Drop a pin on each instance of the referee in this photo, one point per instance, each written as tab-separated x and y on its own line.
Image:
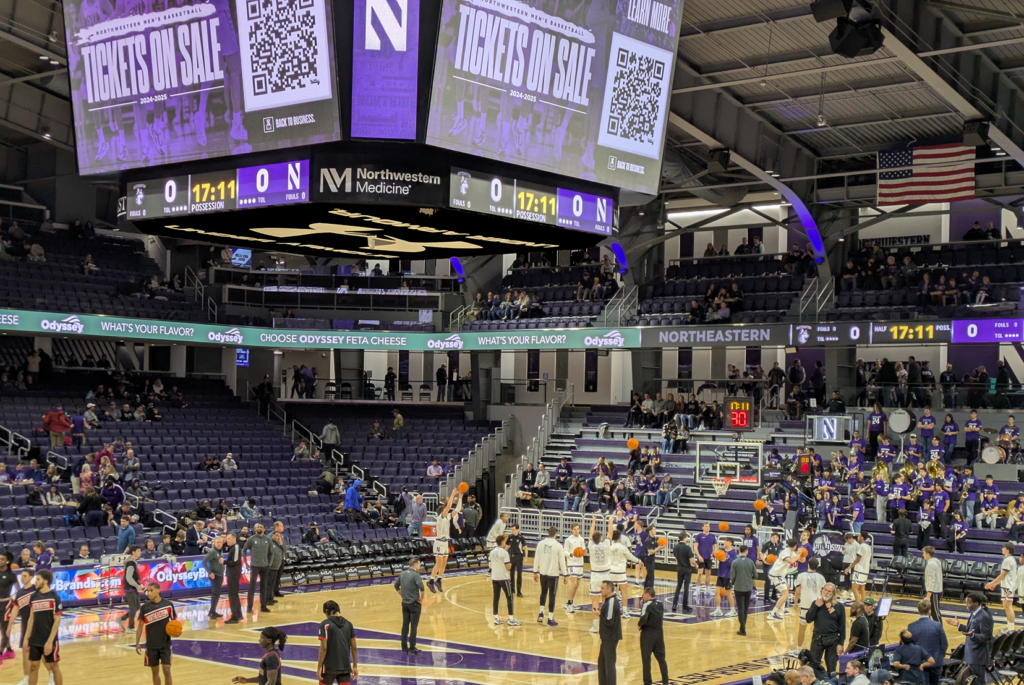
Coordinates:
132	585
215	569
233	571
548	565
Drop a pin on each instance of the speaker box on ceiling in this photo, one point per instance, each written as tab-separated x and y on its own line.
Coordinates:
718	163
975	133
824	10
855	40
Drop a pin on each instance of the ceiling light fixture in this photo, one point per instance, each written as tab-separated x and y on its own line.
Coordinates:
43	57
821	101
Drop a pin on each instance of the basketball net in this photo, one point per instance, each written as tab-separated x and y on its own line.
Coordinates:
721	485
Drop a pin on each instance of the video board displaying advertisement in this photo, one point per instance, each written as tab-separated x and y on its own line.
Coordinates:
385	68
155	83
579	89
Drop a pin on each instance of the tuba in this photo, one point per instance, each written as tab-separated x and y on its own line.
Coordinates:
880	470
935	470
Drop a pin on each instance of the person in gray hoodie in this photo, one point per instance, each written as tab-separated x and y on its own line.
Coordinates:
258	547
330	436
276	562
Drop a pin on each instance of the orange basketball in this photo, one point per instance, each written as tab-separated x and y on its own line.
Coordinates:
463	487
720	554
632	443
451	549
760	504
771	558
802	554
173	628
662	542
723	527
578	552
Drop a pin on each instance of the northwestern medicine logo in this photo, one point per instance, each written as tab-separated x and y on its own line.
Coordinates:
232	335
452	342
611	339
374	181
70	324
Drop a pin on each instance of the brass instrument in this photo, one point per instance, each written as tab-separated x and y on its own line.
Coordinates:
935	470
965	490
880	470
909	477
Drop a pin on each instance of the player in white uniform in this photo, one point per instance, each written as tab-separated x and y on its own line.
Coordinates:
619	556
808	591
860	568
445	516
548	565
784	563
574	564
599	566
1006	581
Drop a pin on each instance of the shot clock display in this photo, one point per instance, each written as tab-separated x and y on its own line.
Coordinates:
528	201
739	414
219	191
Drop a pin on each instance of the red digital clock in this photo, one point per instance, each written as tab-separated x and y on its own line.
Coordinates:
739	414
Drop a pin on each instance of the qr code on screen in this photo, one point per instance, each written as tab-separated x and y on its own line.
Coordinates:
284	51
635	97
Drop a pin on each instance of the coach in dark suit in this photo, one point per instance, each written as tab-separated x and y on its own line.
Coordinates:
652	638
931	637
611	634
233	571
978	630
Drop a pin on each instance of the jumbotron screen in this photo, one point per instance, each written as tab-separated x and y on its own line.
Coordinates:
575	88
155	82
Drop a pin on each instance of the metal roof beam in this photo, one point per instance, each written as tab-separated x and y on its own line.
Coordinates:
873	122
776	60
7	35
983	11
865	87
777	17
790	74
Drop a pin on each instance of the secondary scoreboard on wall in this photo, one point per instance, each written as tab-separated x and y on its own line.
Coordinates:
739	414
528	201
265	185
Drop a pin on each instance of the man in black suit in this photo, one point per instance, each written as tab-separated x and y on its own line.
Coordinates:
978	630
652	638
611	634
233	571
194	540
930	636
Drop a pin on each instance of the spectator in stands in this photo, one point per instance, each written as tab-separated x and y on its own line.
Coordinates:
111	492
647	407
890	273
522	310
165	547
330	437
89	417
36	253
57	423
434	470
149	550
397	423
635	415
797	375
975	232
83	557
86	477
450	467
35	497
848	277
131	467
723	251
195	539
988	511
178	543
249	510
417	515
376	432
90	509
54	497
993	232
228	464
576	497
441	377
542	482
584	290
563	474
217	524
125	535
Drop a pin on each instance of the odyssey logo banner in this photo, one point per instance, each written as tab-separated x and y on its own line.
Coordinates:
70	324
612	339
452	342
385	65
231	336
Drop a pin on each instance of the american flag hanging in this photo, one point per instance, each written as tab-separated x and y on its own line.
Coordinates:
940	173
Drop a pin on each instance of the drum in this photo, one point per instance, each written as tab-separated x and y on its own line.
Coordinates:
993	454
1005	442
902	421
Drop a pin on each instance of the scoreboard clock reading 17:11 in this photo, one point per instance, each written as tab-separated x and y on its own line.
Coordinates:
739	414
220	191
528	201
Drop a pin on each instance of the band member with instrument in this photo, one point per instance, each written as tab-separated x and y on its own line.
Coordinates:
972	437
968	493
913	452
825	484
899	495
886	450
1009	439
882	490
935	450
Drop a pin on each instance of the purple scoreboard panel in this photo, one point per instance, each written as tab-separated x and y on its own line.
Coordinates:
584	212
385	52
987	331
164	82
273	184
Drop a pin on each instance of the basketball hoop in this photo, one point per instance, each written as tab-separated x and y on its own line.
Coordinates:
721	485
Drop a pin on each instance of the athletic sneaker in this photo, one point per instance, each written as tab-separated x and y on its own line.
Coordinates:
430	584
772	616
540	617
552	622
514	622
794	652
570	608
438	583
498	621
731	613
593	629
716	613
23	681
625	612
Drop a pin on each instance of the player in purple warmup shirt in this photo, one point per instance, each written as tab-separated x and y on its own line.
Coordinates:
705	542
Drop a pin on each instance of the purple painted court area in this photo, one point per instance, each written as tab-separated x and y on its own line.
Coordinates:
460	656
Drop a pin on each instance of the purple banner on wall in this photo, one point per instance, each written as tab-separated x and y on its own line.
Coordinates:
385	64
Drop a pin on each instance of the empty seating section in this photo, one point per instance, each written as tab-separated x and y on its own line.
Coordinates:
59	285
215	422
430	433
766	298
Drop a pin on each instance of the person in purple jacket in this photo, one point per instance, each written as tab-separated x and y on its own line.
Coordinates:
650	486
878	423
927	425
950	430
705	542
972	438
563	475
856	514
751	541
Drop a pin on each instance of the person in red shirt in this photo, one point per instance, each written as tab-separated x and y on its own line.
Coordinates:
57	423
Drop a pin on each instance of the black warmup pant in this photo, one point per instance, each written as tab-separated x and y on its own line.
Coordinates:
410	622
873	442
900	547
500	586
742	609
131	596
831	655
936	609
933	675
924	537
770	593
649	562
261	572
516	574
5	642
606	662
942	522
215	583
234	582
272	575
548	588
682	581
653	642
275	591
